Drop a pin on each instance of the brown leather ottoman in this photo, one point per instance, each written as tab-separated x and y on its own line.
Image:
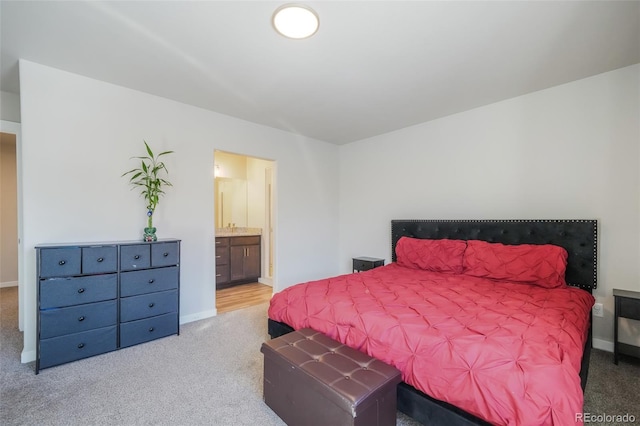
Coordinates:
310	379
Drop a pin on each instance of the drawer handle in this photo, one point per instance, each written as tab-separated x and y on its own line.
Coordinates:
80	345
218	242
136	257
81	290
218	275
151	281
81	319
165	254
62	262
100	259
218	257
151	305
150	329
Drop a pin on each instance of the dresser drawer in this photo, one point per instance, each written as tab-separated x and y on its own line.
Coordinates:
222	256
165	254
57	322
60	292
147	281
148	305
59	350
99	260
134	332
136	256
629	308
59	262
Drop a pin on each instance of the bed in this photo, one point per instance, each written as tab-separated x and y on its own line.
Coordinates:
488	320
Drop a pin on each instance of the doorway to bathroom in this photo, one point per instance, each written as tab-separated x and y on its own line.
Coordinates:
244	226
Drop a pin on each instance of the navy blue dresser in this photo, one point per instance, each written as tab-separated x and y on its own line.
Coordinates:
99	297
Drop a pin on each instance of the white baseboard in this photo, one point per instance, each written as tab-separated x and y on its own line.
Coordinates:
603	345
9	284
199	316
266	281
27	356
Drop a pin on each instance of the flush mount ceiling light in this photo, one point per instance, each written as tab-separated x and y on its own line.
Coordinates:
295	21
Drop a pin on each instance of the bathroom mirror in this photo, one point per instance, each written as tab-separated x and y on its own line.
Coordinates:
231	202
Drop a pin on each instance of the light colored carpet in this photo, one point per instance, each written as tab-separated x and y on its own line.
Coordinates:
209	375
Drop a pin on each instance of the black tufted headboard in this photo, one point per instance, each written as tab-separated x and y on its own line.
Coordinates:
579	237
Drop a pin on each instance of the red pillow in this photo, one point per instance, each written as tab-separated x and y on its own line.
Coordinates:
431	255
543	265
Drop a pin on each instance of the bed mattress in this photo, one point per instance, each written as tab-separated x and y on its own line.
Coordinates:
506	352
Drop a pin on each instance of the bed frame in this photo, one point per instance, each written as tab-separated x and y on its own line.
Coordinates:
579	237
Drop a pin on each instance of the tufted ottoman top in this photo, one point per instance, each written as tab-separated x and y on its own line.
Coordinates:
342	374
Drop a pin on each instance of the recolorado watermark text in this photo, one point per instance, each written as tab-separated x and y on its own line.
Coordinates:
605	418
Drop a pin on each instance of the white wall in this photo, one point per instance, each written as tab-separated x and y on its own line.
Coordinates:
567	152
9	107
78	135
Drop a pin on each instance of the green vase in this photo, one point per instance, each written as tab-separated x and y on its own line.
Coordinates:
150	234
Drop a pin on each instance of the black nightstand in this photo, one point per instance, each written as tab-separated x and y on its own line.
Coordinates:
365	263
627	305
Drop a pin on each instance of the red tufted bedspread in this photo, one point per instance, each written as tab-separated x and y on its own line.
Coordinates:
506	352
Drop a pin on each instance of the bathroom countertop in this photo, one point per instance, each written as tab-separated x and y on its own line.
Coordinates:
238	232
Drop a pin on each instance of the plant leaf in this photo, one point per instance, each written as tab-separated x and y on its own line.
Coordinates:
148	149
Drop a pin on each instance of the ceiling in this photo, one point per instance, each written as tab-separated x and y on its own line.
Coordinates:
372	68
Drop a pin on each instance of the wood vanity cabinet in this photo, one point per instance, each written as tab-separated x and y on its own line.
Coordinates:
238	260
222	262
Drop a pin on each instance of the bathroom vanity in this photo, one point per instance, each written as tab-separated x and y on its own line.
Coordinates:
238	258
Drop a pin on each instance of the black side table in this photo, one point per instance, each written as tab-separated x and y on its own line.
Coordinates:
365	263
627	305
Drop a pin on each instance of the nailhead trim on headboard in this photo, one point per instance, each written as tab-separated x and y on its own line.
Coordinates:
578	236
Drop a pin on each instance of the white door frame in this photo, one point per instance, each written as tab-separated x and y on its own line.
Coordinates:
269	223
16	129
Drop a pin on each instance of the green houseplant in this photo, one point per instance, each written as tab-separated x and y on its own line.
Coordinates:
148	179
